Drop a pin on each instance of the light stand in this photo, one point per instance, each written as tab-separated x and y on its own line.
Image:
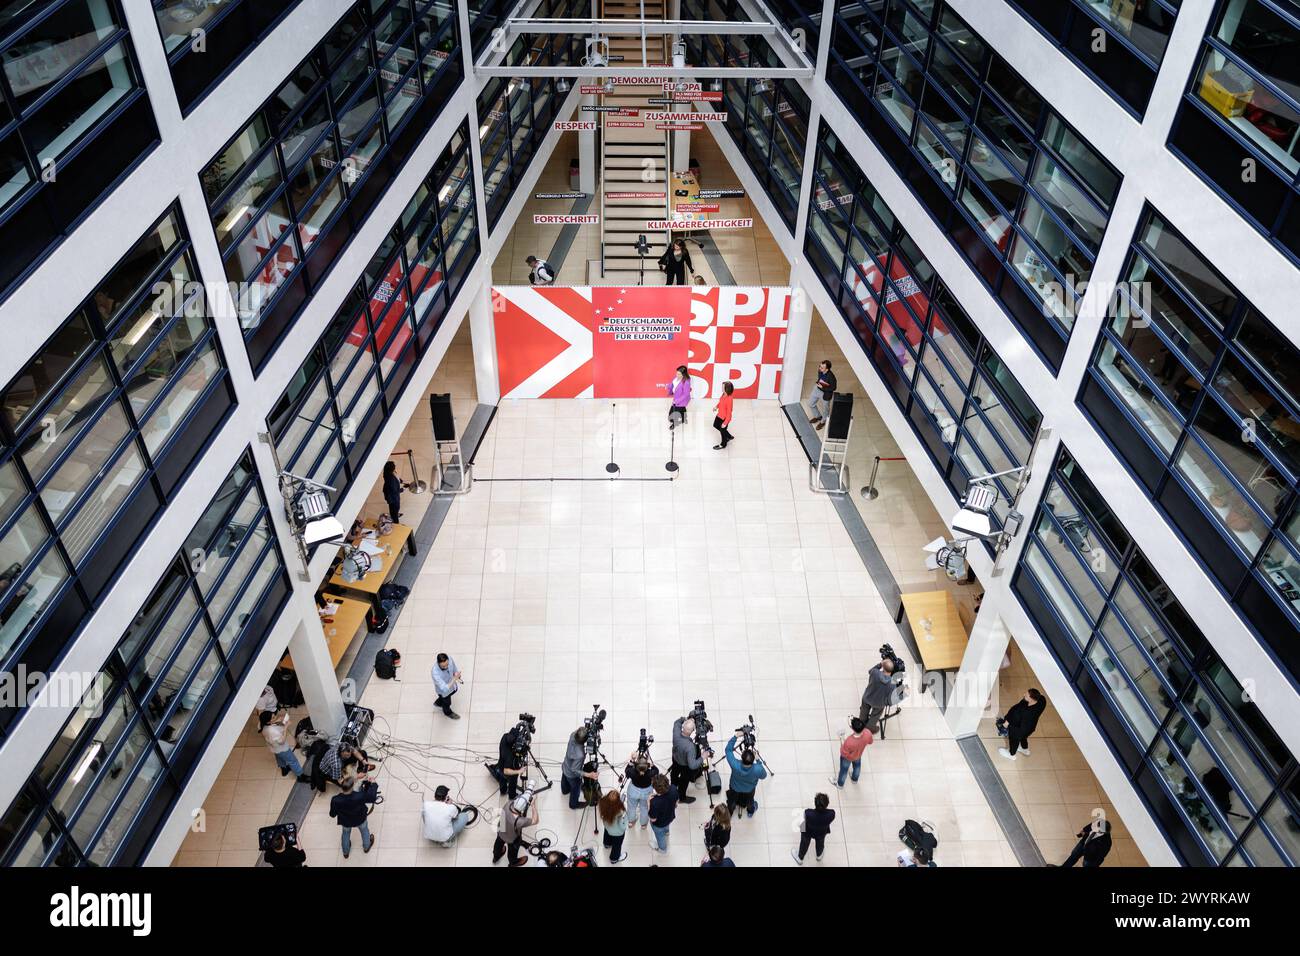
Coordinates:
672	466
612	468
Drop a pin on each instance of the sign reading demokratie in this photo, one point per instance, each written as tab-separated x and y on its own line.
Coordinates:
573	220
732	193
656	116
654	225
582	126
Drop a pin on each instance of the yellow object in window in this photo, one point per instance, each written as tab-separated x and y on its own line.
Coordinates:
1227	90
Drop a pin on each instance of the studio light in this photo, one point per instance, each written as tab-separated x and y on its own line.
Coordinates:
973	519
561	85
310	512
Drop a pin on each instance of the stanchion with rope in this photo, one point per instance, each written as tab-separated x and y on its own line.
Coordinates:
869	491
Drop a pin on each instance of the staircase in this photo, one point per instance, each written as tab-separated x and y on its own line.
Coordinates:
633	159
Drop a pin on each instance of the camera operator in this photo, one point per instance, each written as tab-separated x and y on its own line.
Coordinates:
640	773
512	754
879	694
283	855
350	809
572	772
688	759
746	772
517	815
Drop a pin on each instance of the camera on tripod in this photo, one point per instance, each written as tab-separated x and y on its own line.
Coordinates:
643	744
521	739
887	654
703	727
594	724
745	734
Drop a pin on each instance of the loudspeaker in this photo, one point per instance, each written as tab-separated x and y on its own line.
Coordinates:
837	429
444	425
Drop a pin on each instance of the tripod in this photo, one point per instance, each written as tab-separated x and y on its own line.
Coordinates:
593	787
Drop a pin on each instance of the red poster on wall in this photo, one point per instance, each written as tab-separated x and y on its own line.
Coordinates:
625	342
641	336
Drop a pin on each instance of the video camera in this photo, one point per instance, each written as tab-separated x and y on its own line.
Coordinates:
703	727
745	733
643	745
594	724
887	654
521	738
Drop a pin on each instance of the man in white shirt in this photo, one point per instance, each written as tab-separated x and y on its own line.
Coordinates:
446	679
541	272
443	820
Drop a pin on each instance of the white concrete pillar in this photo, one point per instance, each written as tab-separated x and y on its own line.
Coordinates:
977	680
315	673
588	161
795	355
482	331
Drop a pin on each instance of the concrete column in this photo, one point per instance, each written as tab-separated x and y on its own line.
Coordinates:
978	678
482	332
315	672
795	355
588	161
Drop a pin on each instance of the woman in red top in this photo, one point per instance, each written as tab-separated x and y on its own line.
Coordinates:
723	418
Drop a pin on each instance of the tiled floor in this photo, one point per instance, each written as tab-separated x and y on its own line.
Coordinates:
733	584
1053	787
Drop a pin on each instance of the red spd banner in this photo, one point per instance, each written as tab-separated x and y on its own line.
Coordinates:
616	342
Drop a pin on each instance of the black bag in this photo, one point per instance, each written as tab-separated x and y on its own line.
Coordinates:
285	684
396	593
386	663
377	621
918	837
713	780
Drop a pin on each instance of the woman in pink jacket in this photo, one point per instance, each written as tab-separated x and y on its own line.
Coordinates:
680	389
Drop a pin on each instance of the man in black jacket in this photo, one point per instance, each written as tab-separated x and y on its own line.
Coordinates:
822	393
350	809
509	766
1093	845
1021	721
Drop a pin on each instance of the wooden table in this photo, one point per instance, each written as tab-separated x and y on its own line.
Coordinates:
688	183
944	644
349	620
367	589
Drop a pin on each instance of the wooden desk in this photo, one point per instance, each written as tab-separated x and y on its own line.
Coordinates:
943	646
349	620
367	589
687	182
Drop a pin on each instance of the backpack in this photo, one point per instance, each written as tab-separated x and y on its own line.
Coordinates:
386	662
918	837
304	735
377	621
